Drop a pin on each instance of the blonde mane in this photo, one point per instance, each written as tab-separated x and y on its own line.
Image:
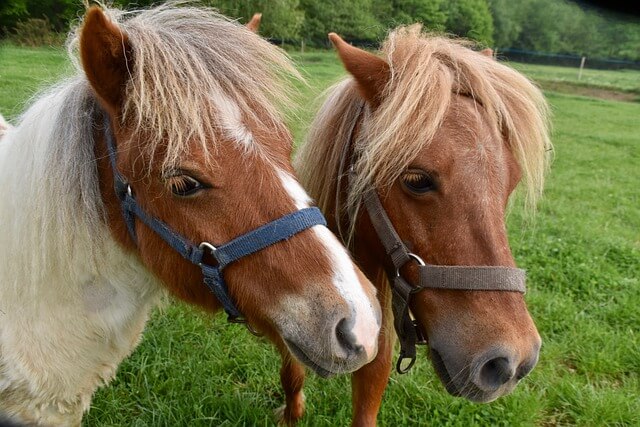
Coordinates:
427	71
189	64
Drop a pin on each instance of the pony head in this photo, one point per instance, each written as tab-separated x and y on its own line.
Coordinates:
444	135
192	100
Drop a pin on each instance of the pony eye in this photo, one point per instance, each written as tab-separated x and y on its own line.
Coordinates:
185	185
418	182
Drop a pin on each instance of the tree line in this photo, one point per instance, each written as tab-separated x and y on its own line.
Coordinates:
554	26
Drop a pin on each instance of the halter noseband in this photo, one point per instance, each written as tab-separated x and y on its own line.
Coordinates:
468	278
260	238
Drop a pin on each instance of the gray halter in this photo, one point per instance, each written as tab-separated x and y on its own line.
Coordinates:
466	278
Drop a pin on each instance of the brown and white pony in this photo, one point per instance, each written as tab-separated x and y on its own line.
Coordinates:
444	135
192	100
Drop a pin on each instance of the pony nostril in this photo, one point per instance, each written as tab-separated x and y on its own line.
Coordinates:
347	339
495	373
527	366
524	369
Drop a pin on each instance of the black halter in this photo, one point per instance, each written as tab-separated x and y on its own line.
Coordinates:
240	247
469	278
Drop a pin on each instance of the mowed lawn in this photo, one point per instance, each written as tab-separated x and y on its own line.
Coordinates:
581	251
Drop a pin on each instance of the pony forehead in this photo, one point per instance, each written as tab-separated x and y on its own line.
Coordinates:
427	71
195	72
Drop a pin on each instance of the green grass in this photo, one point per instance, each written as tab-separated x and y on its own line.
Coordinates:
582	254
621	80
24	71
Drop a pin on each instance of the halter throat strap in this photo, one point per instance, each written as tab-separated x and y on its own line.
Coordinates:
253	241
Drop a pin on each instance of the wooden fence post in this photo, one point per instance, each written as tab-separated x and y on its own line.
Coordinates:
582	61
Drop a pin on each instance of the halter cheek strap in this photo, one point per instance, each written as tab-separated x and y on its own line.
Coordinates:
457	277
254	241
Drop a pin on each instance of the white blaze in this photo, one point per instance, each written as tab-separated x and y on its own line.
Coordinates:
233	124
345	279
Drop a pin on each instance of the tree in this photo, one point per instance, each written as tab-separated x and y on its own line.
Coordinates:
59	13
281	19
11	12
352	19
392	13
470	18
507	19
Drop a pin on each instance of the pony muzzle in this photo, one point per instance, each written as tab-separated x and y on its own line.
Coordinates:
488	376
331	338
343	351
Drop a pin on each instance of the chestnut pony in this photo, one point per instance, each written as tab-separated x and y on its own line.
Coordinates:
168	135
440	135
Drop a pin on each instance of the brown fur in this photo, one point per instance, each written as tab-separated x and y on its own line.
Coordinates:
189	96
371	73
105	53
254	24
477	131
487	52
182	278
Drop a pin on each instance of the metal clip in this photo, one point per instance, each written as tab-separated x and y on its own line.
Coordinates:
401	358
243	321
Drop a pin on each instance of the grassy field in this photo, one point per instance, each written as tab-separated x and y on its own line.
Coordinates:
582	254
619	80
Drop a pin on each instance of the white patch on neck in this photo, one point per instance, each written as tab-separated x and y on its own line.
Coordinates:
345	279
98	294
232	123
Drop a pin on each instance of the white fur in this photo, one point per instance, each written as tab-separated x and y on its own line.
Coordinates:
300	197
72	303
232	122
4	126
345	279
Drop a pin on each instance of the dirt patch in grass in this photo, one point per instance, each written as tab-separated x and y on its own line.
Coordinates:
590	91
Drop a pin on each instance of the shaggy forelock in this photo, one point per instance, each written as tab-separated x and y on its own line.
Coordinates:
186	61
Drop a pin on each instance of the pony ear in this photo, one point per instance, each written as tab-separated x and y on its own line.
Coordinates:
254	24
106	55
487	52
370	72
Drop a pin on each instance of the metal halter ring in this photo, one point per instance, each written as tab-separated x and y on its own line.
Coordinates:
414	257
208	246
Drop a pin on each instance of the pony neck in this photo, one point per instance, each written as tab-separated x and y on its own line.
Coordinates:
72	302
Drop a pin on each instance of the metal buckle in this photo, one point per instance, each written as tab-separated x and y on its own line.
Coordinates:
207	246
